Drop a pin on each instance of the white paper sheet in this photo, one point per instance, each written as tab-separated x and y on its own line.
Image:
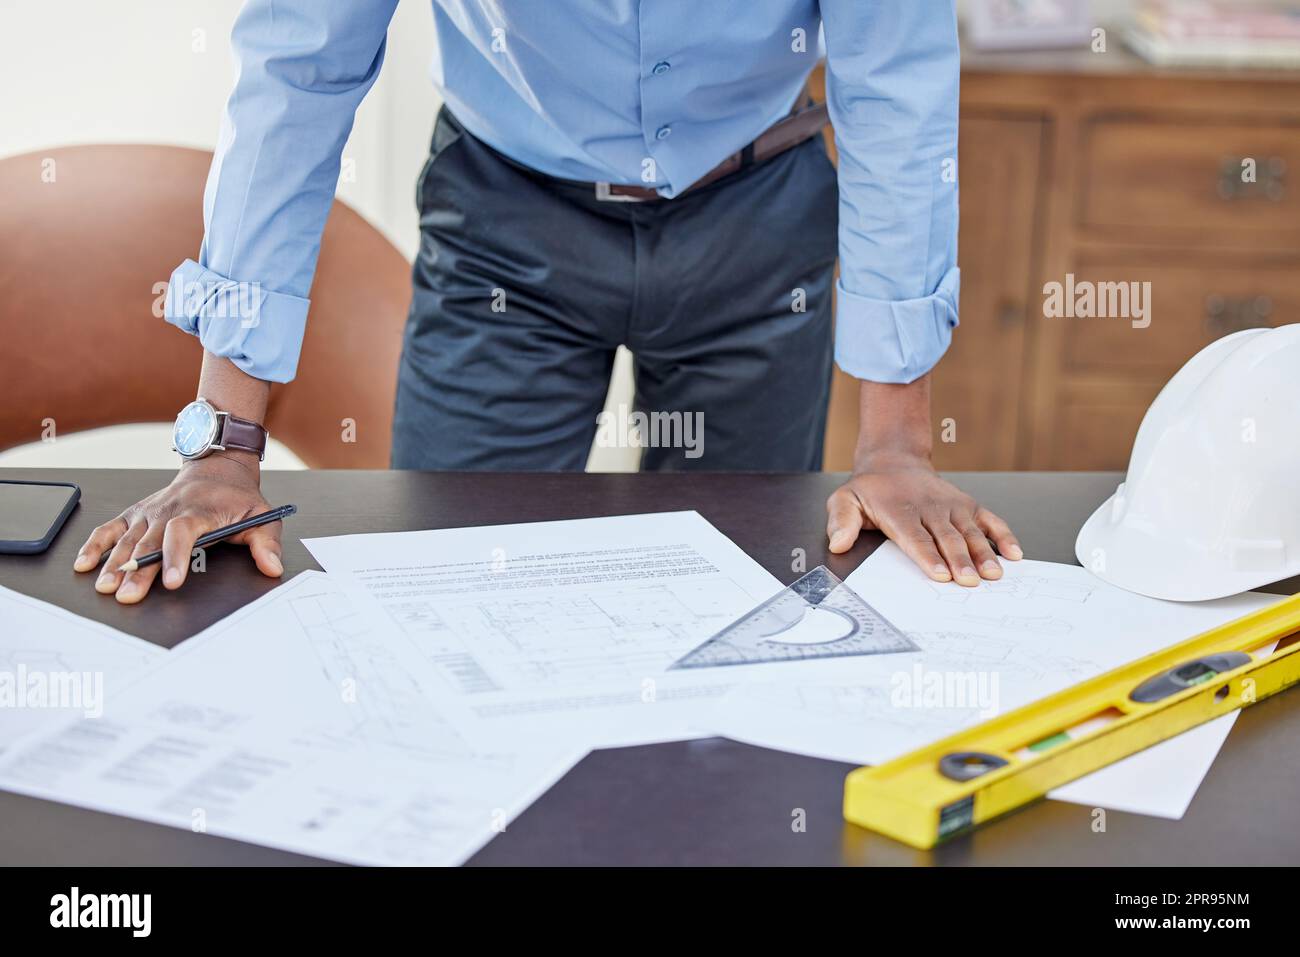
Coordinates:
986	650
302	722
1160	781
564	630
54	664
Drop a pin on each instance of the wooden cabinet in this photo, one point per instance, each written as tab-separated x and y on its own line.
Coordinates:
1098	169
1193	302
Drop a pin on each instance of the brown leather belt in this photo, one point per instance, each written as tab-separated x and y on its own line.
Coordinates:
779	137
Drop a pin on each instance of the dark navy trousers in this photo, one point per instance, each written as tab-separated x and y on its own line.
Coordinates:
525	285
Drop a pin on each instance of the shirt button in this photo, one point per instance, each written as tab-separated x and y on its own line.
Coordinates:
662	67
663	132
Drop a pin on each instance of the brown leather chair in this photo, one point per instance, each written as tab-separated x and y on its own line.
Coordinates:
86	233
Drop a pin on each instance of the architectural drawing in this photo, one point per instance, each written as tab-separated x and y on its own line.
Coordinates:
1018	588
608	635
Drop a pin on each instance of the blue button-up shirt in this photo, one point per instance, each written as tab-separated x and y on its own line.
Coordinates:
592	90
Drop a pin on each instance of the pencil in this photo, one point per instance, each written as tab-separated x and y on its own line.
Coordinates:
274	515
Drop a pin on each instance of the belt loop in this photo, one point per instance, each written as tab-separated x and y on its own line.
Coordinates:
747	156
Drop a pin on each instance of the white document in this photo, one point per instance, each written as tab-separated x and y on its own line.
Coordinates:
564	630
54	664
303	722
1160	781
983	651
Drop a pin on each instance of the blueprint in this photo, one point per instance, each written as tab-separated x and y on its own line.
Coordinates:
564	630
305	721
982	651
54	664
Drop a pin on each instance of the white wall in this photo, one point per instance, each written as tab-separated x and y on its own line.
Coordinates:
159	71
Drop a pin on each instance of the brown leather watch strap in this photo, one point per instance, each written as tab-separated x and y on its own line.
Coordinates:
243	435
780	136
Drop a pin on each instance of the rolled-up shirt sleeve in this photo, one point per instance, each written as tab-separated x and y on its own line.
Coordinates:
303	67
892	79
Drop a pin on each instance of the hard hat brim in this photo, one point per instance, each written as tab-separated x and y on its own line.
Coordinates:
1128	558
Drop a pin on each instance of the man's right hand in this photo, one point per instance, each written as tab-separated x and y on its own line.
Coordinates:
206	494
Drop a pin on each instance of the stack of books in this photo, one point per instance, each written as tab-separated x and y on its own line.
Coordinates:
1217	33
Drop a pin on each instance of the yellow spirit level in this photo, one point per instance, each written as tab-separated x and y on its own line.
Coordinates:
984	772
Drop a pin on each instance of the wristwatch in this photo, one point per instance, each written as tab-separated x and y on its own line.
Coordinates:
200	430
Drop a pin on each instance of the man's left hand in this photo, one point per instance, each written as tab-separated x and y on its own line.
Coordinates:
940	527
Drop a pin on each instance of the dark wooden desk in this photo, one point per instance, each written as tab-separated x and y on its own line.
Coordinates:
701	802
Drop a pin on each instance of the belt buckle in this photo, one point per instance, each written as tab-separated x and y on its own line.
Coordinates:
604	195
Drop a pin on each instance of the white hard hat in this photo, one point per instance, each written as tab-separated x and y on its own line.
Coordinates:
1211	503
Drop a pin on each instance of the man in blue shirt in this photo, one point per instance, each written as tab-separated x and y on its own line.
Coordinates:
605	172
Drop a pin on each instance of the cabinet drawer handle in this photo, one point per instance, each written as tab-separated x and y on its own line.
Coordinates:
1011	314
1267	179
1225	315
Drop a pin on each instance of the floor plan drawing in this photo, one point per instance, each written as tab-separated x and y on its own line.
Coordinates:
381	700
71	664
563	622
332	742
607	634
1019	588
1015	661
1035	624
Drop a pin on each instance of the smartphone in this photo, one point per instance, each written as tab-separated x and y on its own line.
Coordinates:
31	514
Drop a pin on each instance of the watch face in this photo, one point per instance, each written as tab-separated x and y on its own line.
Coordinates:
195	428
